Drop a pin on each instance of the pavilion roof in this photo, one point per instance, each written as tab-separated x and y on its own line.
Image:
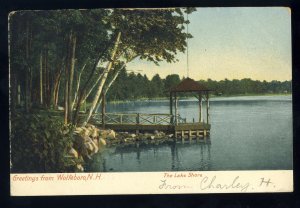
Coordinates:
189	85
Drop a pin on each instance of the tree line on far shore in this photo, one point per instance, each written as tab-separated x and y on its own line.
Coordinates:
131	86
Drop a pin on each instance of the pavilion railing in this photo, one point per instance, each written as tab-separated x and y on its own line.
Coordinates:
138	118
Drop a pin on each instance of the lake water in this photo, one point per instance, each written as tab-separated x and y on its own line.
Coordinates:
247	133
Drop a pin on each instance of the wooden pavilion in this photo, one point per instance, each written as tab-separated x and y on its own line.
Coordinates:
171	122
201	92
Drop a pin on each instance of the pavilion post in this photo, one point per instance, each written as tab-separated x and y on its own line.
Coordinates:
200	107
103	110
207	108
176	109
171	108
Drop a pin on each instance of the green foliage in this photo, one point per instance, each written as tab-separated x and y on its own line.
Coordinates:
129	86
40	143
247	86
171	81
153	35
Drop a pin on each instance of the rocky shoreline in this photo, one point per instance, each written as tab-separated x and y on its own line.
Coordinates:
89	140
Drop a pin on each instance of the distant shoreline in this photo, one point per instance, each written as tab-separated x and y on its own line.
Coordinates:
212	96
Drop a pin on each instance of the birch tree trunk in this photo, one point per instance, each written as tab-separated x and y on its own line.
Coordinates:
95	84
106	89
67	75
102	82
71	76
57	78
111	82
56	95
81	93
78	85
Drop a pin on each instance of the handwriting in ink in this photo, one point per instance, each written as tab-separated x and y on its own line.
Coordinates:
164	185
265	182
211	183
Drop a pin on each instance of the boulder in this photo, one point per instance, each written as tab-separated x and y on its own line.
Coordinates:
95	147
85	138
102	142
79	167
85	131
96	141
78	130
90	126
111	135
108	134
79	145
91	146
94	133
73	153
60	108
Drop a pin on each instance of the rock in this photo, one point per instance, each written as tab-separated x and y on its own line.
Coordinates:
78	130
132	135
170	135
95	133
95	147
85	138
96	141
79	167
91	146
79	145
90	126
102	142
73	152
85	131
142	137
152	137
60	108
108	134
159	134
111	135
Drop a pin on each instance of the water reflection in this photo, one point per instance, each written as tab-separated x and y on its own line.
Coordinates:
248	133
171	156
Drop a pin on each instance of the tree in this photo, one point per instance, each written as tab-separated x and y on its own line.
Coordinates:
50	48
157	86
153	35
171	81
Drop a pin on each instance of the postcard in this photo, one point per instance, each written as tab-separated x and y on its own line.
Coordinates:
150	101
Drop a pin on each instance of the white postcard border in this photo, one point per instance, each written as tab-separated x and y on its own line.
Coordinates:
181	182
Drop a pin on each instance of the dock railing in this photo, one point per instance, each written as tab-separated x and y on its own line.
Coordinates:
139	118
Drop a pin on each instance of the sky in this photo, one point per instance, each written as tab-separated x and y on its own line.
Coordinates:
232	43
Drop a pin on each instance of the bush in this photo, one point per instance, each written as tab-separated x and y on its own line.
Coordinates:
40	143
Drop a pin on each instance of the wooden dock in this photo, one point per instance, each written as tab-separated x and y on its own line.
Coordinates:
169	123
137	122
